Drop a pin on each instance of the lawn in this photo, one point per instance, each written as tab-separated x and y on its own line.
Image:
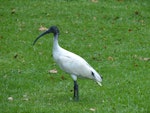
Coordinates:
112	35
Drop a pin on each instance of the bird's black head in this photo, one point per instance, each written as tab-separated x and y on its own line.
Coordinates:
52	29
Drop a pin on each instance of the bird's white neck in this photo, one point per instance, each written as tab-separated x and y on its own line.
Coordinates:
56	44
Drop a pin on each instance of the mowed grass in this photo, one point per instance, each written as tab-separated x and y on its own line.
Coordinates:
113	36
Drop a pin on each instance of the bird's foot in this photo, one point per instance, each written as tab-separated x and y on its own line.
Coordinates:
76	98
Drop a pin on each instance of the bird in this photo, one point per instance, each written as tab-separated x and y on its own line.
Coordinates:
70	62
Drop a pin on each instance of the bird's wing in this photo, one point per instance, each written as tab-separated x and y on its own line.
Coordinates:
74	64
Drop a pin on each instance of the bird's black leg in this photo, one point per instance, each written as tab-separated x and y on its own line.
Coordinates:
76	92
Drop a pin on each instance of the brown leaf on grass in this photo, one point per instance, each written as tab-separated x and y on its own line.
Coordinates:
110	58
142	22
54	71
13	11
144	59
42	28
25	97
141	58
95	1
129	30
10	98
92	109
89	45
94	18
62	77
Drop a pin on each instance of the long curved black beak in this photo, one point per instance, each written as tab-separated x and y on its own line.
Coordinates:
46	32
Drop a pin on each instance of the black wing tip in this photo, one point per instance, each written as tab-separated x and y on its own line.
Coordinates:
92	74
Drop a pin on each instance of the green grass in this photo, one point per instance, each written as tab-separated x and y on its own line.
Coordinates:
113	36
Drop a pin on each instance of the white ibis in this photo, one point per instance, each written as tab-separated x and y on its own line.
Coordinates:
71	63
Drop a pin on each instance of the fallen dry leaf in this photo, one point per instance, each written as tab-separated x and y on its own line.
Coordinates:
25	98
42	28
95	1
10	98
13	11
129	30
89	45
62	77
94	18
141	58
142	22
66	32
144	59
110	58
53	71
92	109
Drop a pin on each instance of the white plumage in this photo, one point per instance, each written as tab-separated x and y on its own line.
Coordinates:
71	63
